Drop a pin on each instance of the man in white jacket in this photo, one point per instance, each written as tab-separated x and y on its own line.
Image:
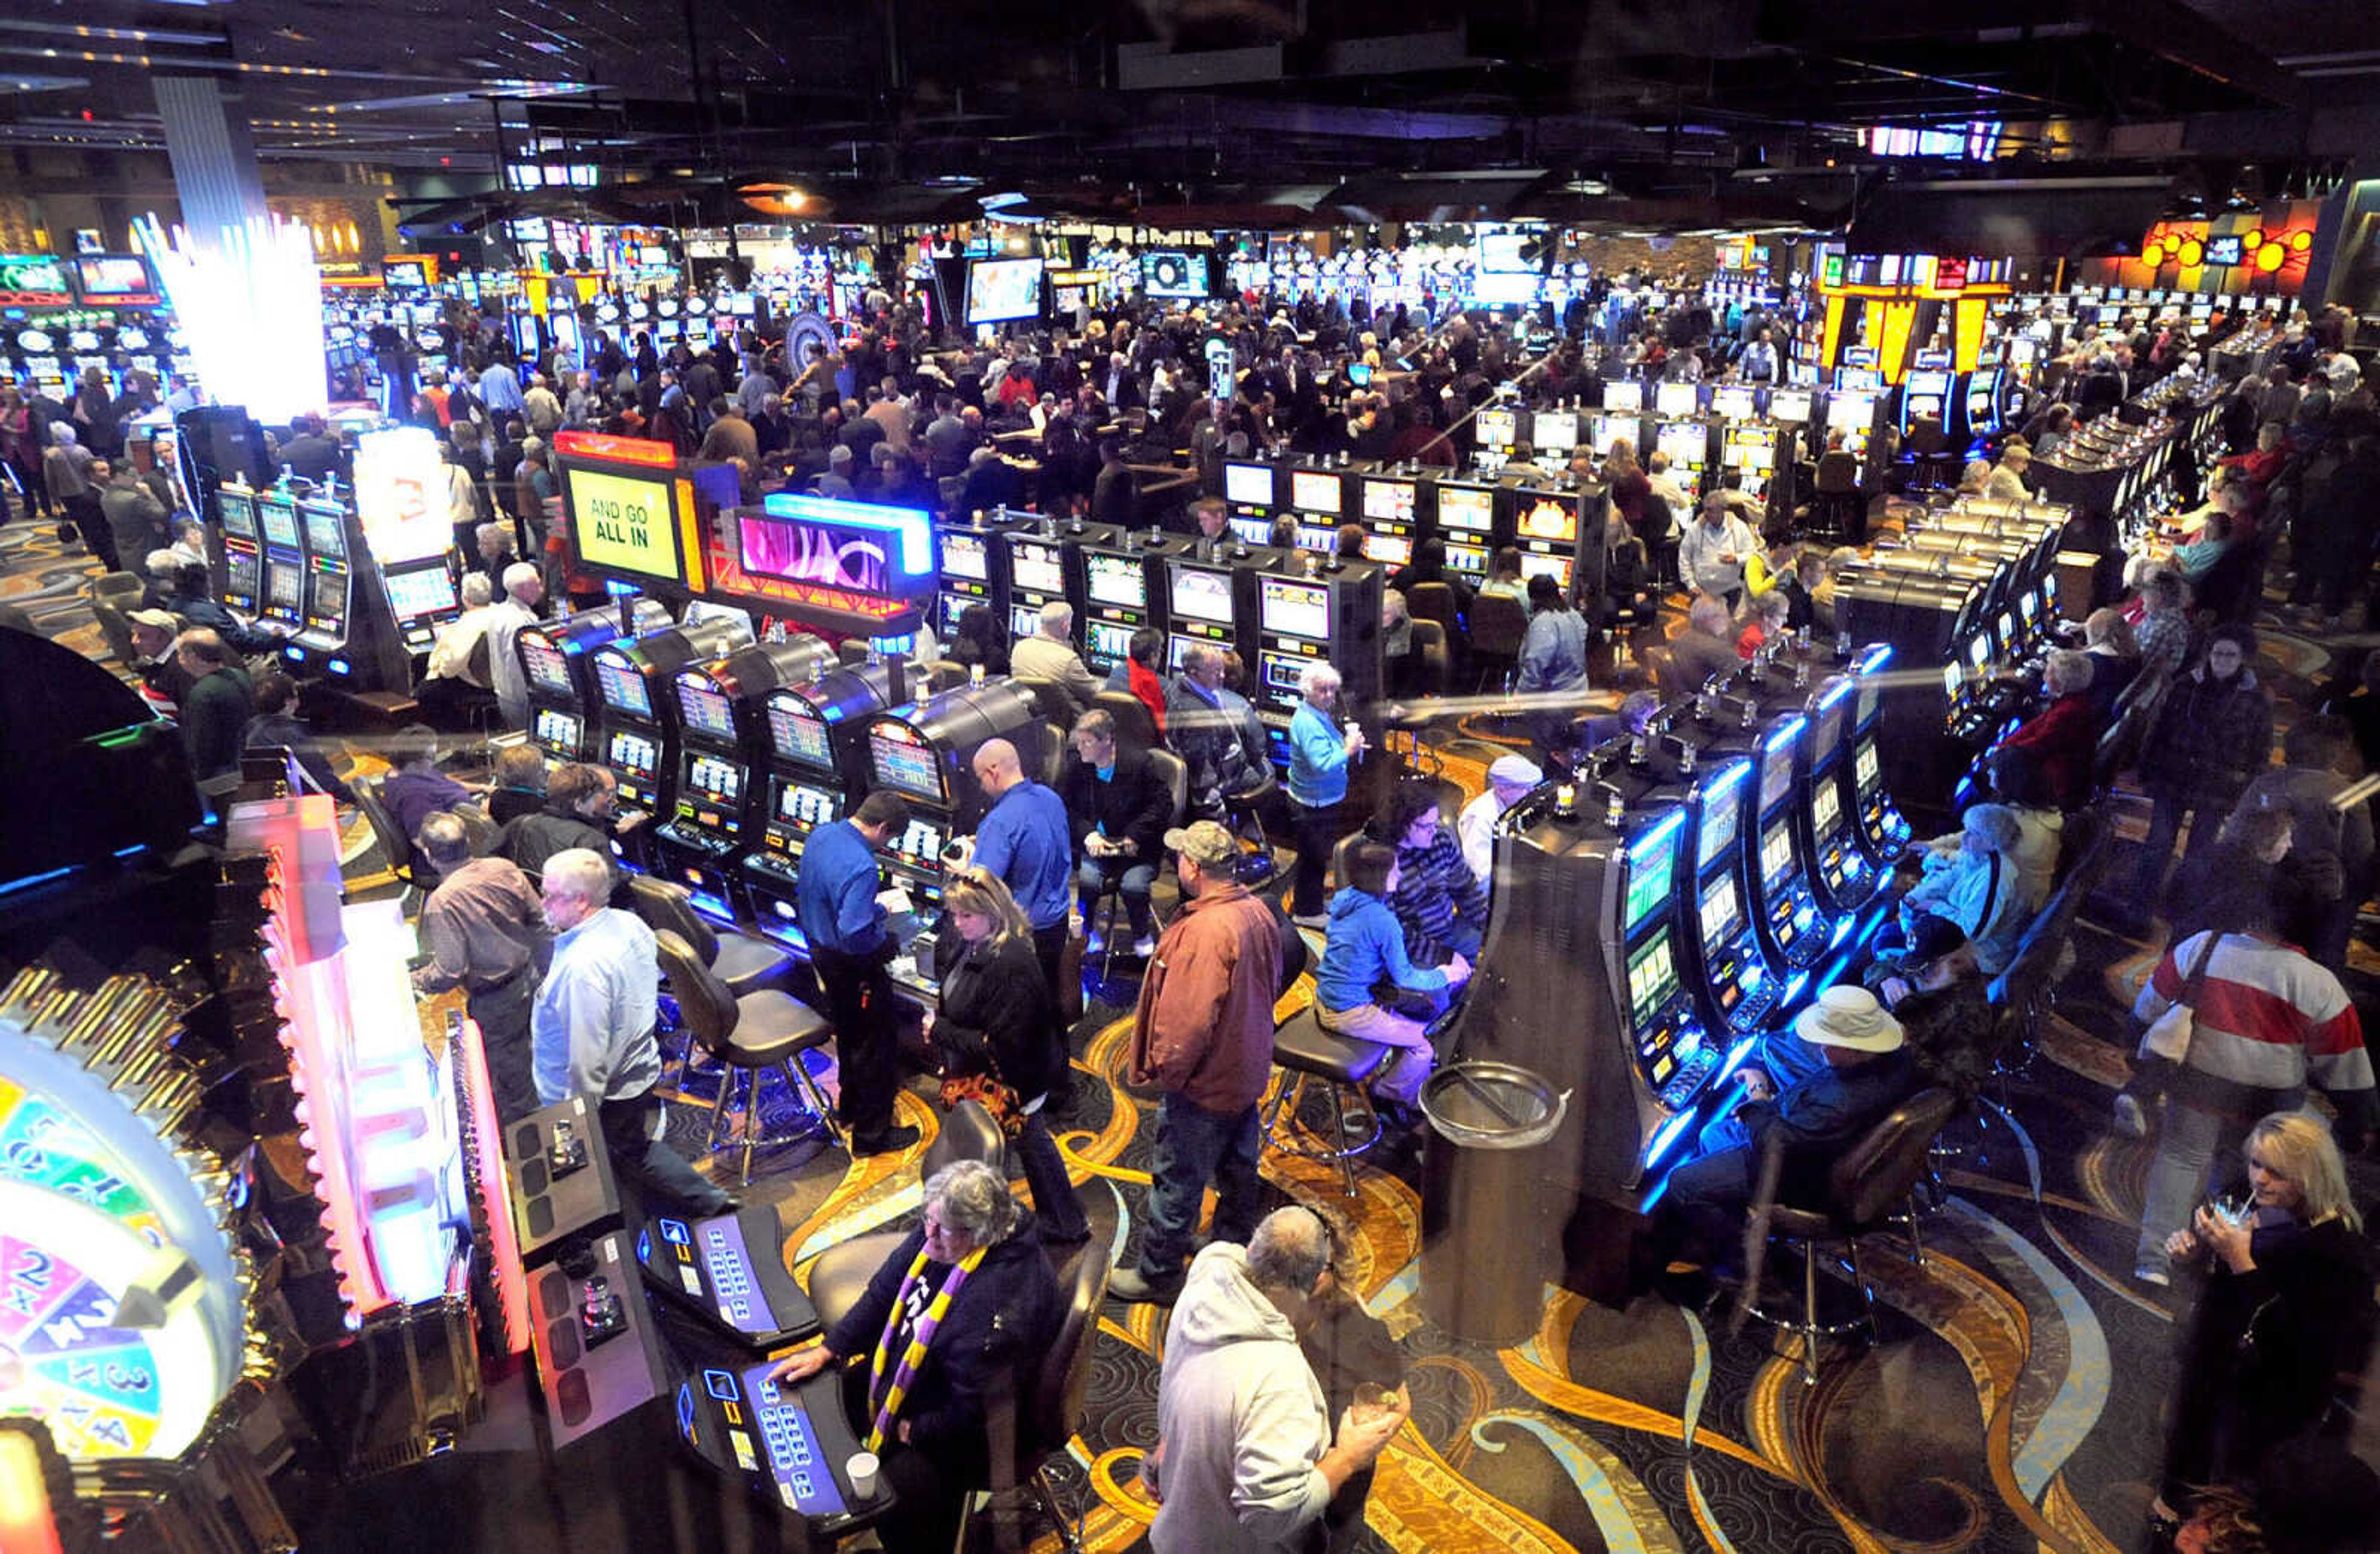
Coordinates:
1244	1462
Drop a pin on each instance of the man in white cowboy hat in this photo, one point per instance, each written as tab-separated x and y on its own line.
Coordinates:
1854	1067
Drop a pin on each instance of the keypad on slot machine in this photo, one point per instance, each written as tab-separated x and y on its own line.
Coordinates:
731	1280
786	1429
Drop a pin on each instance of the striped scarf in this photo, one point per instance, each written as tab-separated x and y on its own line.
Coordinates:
888	1398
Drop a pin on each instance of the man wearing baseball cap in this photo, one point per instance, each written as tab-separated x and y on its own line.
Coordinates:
1862	1071
1203	1031
1509	781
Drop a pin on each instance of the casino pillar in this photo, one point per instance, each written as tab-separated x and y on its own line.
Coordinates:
215	171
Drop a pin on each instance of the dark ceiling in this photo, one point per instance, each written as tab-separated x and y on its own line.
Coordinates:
1725	110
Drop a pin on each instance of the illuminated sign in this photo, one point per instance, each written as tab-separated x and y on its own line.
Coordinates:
624	523
842	565
2224	250
115	280
34	280
401	494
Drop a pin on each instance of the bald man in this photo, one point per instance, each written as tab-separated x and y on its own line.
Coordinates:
1024	841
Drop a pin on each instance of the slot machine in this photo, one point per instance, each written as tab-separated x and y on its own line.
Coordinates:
1982	399
818	756
1747	456
1317	500
1466	521
1123	592
1787	918
638	729
1686	445
1842	874
557	665
724	744
1926	394
973	565
1740	991
1734	402
284	602
1211	602
1388	502
1551	526
1251	492
1554	433
330	585
1605	427
1334	614
1853	413
1495	430
1037	575
1881	830
38	353
239	544
423	597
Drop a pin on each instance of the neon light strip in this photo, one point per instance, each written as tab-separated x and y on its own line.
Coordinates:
619	450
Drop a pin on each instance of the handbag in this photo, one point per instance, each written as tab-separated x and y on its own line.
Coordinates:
2169	1034
1007	1107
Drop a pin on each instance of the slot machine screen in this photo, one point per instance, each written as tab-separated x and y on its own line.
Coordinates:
1732	401
423	592
1281	671
1623	396
1554	431
1547	517
797	736
1979	650
1790	405
1776	776
1650	859
326	600
1471	560
1676	399
1294	609
1871	695
1201	595
280	520
1685	442
711	779
1556	567
1389	549
1828	739
1608	429
622	688
1389	501
1722	915
964	555
1118	580
1652	979
1867	768
236	511
920	846
1498	428
633	753
1721	814
1313	491
287	583
1826	810
1032	565
905	768
327	535
558	730
954	606
1023	619
1107	640
705	710
1950	680
241	570
2005	637
800	807
1248	485
1469	508
547	668
1776	850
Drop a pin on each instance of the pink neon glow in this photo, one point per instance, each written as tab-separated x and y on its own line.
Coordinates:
803	553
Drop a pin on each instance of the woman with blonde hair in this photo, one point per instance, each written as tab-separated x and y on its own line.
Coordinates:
2287	1309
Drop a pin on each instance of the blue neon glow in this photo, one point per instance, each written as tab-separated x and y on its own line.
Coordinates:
1735	1056
1727	778
338	666
1794	988
1840	929
1874	656
1785	731
1841	689
1655	837
911	526
1666	1137
711	907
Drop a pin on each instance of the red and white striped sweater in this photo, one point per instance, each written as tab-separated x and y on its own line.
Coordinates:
2267	1018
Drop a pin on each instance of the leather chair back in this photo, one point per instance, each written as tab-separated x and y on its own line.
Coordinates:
1498	625
1133	721
703	1001
664	905
1871	1180
1429	640
1065	1372
1053	754
1838	473
114	628
1434	601
393	841
1051	699
943	674
967	1133
1175	772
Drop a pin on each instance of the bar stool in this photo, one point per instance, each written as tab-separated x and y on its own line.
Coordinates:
760	1030
1301	1050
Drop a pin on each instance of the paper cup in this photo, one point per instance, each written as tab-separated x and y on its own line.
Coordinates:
860	1469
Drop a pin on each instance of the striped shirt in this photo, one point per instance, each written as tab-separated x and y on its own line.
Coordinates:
2268	1018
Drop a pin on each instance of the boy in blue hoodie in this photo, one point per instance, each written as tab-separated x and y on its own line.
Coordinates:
1366	948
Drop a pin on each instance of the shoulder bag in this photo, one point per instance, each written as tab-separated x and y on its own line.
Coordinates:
2169	1034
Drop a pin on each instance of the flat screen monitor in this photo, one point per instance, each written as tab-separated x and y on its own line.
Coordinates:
1721	814
1293	609
1791	404
900	760
326	600
1950	680
800	807
117	280
797	735
1470	560
1775	851
279	516
1554	431
636	755
1248	485
241	570
1623	395
1650	873
1548	517
1177	646
547	668
1776	774
1556	567
1498	428
1389	501
966	556
1316	491
1281	671
1686	443
1001	289
1652	979
1107	641
1867	768
426	591
1610	428
557	730
236	511
705	710
1389	549
1826	810
1173	273
920	846
1039	565
1471	509
326	532
1676	399
1202	594
1722	913
622	688
1734	401
714	780
624	518
1118	580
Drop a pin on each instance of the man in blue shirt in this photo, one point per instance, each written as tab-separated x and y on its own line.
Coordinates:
591	1028
1024	841
835	904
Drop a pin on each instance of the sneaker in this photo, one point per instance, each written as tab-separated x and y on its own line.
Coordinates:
1144	947
1312	920
1128	1286
2131	1120
2154	1273
890	1141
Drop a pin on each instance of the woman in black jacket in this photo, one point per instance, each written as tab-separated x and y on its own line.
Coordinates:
996	1020
2287	1309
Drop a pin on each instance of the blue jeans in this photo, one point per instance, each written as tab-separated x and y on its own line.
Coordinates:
1091	879
1193	1147
1060	1211
2191	1143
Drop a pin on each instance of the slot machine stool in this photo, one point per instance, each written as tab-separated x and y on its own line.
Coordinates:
1301	1050
1867	1189
760	1030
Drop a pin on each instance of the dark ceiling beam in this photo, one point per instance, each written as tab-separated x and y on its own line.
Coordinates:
2175	32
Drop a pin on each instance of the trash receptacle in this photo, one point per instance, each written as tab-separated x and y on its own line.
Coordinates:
1489	1240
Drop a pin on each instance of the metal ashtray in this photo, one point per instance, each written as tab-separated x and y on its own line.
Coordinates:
1492	1106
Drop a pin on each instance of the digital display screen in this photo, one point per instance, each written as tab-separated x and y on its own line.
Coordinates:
624	522
285	584
1829	735
1469	508
2219	250
1777	853
1721	814
801	807
1649	874
240	569
1721	915
1294	609
1248	485
636	755
1471	560
1000	289
1547	518
106	278
1652	979
326	600
547	668
1685	443
710	779
1118	580
1676	399
1979	650
1170	273
1732	401
1389	501
1202	595
1282	671
622	688
1623	396
1554	431
1556	567
1389	549
1498	428
1751	447
964	555
1865	767
1826	810
1610	428
1871	695
705	710
1106	641
1313	491
1038	566
796	735
280	519
557	730
326	534
1776	775
236	511
919	846
903	765
1951	681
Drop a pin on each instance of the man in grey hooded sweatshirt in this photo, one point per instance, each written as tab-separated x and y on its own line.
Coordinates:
1244	1462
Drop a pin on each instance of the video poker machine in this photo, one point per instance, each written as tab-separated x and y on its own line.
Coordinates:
729	1272
1303	615
558	665
817	754
724	744
1466	521
638	731
1318	501
1749	454
1741	988
1045	567
1123	592
237	526
1213	602
973	565
1844	875
1389	504
1251	495
284	599
349	633
1551	525
1686	443
1881	829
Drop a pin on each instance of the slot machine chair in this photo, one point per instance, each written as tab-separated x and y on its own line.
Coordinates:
1865	1188
760	1030
110	604
1662	539
1837	505
1498	625
1030	1432
840	1275
1437	659
1134	723
403	862
1109	901
746	963
1301	1050
1934	463
1435	601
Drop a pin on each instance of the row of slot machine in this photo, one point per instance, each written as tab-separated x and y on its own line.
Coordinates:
737	750
1692	889
1972	406
51	351
1293	609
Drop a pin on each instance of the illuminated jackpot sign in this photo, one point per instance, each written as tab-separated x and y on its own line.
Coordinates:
631	516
